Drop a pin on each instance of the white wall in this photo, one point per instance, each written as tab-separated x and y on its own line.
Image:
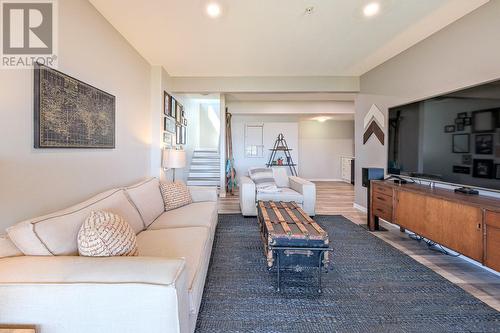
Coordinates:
34	182
463	54
322	144
209	123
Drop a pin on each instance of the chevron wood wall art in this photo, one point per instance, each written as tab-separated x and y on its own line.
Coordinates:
373	122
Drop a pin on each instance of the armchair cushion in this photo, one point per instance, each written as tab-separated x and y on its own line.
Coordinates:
281	177
286	195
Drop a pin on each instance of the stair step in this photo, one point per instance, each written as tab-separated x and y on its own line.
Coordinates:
210	161
203	182
206	155
205	167
203	174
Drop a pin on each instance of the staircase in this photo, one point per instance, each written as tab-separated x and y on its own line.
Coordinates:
205	168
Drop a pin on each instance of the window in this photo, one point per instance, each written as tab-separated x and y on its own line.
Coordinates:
254	140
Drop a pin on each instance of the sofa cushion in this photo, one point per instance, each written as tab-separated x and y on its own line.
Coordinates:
286	194
175	195
7	248
56	233
192	244
198	214
104	234
281	177
146	196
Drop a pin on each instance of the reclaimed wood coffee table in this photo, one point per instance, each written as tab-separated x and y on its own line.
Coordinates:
292	240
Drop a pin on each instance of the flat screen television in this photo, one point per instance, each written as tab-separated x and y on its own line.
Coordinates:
453	138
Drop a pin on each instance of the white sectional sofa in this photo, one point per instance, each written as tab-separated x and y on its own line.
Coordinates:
292	188
45	283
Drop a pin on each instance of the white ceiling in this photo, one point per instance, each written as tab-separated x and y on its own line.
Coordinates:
276	37
278	97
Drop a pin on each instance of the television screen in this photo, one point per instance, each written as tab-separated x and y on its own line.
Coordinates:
453	138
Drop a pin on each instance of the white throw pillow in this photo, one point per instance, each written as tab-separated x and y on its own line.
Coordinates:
104	234
175	195
263	179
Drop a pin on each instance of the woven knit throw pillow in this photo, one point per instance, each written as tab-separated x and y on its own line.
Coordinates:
175	195
264	180
104	234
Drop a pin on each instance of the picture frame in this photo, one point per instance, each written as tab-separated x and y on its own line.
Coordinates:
461	143
178	113
178	135
497	151
169	125
484	120
497	171
459	121
449	128
482	168
467	159
173	107
467	121
167	139
167	104
460	127
462	115
183	135
93	111
461	169
484	144
185	123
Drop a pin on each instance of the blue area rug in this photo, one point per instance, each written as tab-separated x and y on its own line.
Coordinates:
372	287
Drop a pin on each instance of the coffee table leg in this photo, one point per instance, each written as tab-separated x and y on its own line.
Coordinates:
279	268
321	254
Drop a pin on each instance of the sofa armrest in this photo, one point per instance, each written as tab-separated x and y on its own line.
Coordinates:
115	294
308	191
247	197
203	193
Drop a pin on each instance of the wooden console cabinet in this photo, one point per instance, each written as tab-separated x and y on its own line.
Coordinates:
469	225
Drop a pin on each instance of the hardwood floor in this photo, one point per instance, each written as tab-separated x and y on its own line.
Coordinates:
337	198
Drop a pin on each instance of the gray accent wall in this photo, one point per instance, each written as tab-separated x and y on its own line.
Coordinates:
464	54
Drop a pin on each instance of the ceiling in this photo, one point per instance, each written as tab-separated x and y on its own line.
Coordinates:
277	97
276	37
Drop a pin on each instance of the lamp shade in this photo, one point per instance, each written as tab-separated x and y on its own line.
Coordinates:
173	159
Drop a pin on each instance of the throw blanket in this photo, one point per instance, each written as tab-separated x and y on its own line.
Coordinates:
264	180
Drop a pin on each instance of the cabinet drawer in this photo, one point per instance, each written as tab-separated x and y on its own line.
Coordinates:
492	219
382	211
382	199
382	189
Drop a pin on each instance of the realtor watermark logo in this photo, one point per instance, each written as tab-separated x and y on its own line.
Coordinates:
29	33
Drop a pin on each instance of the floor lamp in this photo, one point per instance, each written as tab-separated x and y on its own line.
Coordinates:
173	159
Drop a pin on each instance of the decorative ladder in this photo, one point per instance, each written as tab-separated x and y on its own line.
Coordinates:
281	145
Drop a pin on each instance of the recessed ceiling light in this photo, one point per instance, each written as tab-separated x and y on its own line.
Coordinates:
321	119
371	9
309	10
214	10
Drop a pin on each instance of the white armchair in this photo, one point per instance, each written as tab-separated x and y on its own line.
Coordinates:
302	191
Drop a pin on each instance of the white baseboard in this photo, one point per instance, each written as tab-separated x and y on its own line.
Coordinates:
359	207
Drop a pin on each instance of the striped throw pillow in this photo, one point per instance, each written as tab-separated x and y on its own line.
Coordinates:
104	234
263	179
175	195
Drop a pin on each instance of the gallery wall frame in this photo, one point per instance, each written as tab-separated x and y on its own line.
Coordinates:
461	143
71	114
484	121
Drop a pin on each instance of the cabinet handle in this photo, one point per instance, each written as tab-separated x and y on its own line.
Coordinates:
479	226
